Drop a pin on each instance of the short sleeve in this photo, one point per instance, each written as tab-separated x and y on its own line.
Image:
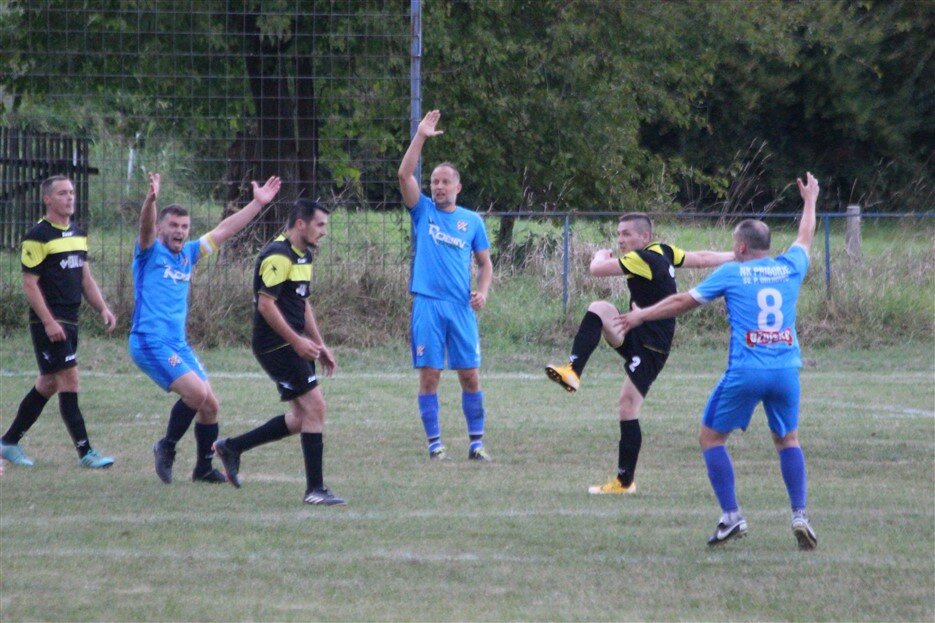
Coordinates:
33	254
273	272
714	285
480	241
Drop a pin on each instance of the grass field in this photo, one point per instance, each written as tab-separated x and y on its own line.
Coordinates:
519	539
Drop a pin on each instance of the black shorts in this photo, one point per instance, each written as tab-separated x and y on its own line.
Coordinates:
293	375
643	362
54	356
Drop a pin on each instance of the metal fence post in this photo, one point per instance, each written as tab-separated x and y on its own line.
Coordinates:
827	222
565	234
415	73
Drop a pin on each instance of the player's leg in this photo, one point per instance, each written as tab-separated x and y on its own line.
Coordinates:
427	341
464	355
206	433
730	406
597	322
781	404
309	408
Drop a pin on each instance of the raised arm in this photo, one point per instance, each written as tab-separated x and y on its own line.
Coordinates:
809	192
408	184
232	225
706	259
605	264
148	213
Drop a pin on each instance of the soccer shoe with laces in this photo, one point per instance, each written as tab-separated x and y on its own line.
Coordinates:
164	459
439	454
15	454
613	486
730	526
479	455
94	460
212	476
230	460
803	532
323	497
564	376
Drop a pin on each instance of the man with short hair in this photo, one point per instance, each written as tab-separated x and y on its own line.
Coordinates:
649	267
163	263
763	364
56	274
286	342
446	237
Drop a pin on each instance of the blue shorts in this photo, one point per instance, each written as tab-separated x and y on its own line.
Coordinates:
438	326
164	362
737	394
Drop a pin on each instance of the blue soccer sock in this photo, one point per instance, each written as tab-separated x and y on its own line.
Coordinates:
428	410
721	475
792	464
472	403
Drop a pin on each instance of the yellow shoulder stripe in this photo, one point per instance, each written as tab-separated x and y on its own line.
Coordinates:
633	264
33	253
274	269
300	272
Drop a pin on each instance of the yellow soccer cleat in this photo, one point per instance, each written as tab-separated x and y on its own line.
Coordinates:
612	486
564	376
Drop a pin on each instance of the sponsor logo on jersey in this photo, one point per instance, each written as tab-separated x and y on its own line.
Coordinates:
462	225
176	275
66	234
72	261
766	338
70	357
764	274
441	237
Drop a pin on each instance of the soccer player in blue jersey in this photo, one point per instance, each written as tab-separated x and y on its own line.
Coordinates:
446	237
763	360
163	262
649	268
56	274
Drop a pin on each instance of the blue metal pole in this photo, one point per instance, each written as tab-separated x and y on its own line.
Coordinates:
415	73
565	235
827	222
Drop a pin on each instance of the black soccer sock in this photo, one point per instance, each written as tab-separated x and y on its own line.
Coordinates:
29	410
205	436
312	449
74	421
180	418
273	430
631	438
586	340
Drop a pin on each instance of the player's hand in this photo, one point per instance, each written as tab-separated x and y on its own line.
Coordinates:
307	349
55	331
110	320
154	181
809	190
427	125
629	320
603	254
478	300
327	361
265	193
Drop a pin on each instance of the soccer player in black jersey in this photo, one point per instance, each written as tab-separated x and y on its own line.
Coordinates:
56	274
649	267
286	341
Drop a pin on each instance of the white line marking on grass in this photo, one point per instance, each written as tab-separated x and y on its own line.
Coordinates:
885	411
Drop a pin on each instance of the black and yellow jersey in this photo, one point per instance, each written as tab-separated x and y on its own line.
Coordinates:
283	274
57	255
650	273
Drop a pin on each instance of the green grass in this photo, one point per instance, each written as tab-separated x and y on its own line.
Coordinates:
516	540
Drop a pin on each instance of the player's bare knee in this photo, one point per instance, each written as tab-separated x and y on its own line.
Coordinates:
46	385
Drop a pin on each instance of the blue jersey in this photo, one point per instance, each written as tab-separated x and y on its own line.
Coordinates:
761	298
161	282
444	243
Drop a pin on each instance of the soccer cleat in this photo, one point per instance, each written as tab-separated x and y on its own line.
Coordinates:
323	497
15	454
439	454
730	526
803	532
212	475
479	455
164	460
613	486
230	460
94	460
564	376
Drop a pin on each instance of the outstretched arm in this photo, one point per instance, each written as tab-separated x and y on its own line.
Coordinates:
408	184
706	259
148	213
605	264
669	307
232	225
809	192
